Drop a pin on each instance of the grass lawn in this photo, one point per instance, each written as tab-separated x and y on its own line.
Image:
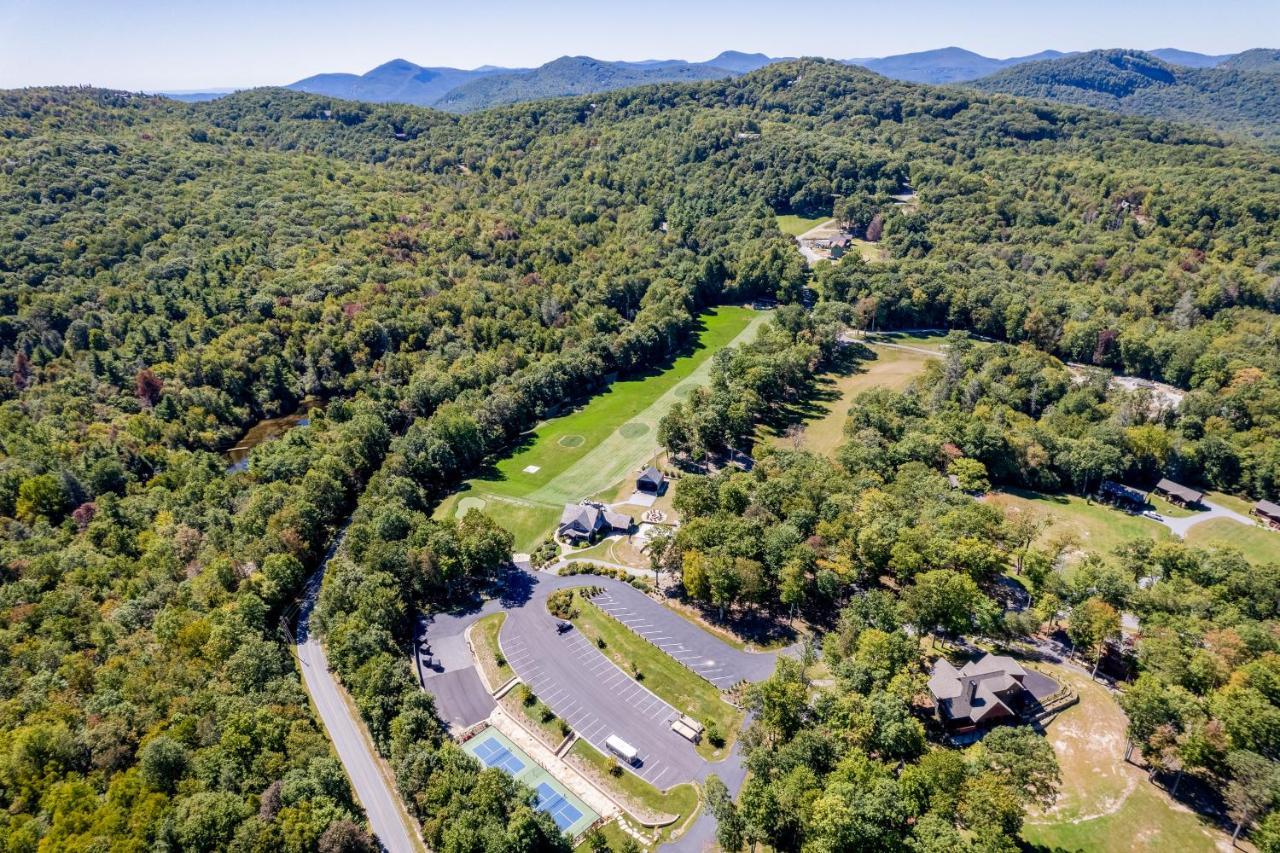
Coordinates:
1106	804
669	680
1240	505
537	714
620	550
824	416
613	835
1258	544
871	252
797	225
1146	821
680	800
1095	527
590	450
484	638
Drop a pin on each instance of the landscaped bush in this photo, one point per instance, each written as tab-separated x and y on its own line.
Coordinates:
560	603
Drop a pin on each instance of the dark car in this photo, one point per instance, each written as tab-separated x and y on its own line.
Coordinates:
562	626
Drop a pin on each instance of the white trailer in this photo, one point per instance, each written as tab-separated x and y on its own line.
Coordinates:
621	748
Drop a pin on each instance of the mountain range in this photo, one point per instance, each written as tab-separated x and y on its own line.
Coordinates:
1235	93
458	90
1239	95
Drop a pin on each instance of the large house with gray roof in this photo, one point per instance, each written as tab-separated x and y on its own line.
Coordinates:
980	693
584	522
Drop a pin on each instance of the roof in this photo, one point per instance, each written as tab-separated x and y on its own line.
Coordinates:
585	518
944	681
973	691
993	663
617	520
1267	508
1111	487
842	242
650	475
1187	493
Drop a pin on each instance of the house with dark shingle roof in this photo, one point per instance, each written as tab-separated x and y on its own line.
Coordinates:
980	693
1178	493
1268	513
583	522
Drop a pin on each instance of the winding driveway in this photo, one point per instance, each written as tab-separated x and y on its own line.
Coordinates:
1181	525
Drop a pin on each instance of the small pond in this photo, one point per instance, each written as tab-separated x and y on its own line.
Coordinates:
268	429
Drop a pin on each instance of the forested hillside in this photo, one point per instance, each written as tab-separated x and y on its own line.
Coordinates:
171	273
1240	96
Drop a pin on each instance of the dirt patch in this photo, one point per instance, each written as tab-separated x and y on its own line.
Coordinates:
571	441
634	429
1089	740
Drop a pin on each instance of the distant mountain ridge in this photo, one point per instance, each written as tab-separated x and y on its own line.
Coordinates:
1239	95
944	65
459	90
466	90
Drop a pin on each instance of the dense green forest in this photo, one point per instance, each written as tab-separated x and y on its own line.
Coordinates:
1240	97
171	273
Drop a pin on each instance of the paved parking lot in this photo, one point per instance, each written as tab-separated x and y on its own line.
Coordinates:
703	653
577	682
595	697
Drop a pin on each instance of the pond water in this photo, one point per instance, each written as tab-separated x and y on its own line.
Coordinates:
268	429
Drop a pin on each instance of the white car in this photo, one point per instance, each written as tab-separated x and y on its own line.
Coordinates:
1153	515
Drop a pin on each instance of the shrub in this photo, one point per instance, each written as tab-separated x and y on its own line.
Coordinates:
560	603
714	735
565	728
615	769
600	643
547	714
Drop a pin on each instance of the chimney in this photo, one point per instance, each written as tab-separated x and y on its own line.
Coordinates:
973	690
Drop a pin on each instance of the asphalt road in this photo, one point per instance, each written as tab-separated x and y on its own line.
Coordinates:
379	799
1180	525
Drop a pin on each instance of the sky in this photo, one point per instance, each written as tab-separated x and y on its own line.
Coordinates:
178	45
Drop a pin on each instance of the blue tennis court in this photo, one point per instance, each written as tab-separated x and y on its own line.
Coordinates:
494	749
563	812
493	754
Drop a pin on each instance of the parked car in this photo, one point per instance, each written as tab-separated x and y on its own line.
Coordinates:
1153	515
563	626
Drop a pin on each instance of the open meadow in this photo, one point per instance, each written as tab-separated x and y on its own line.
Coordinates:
898	359
1105	803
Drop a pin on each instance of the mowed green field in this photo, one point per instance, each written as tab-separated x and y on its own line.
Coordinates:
1106	804
1258	544
797	225
592	449
1094	526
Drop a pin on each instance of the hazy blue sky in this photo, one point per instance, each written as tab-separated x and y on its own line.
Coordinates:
180	44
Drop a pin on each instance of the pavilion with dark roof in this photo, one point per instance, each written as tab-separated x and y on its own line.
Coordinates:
1268	512
1178	493
650	480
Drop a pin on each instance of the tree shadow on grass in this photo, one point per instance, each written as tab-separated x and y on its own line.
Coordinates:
848	361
